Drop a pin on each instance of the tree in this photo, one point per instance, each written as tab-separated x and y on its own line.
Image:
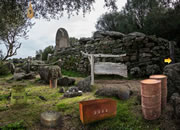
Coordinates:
115	21
56	8
46	51
13	25
72	41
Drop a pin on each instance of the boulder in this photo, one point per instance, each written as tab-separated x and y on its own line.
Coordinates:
173	82
49	72
97	35
65	81
102	34
122	92
136	72
72	92
152	69
19	70
175	102
84	40
11	67
113	34
61	90
85	84
22	75
137	34
18	76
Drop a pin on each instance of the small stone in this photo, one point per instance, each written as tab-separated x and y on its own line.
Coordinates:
65	81
61	90
85	85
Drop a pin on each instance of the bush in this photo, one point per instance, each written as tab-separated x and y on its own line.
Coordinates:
14	126
47	50
4	70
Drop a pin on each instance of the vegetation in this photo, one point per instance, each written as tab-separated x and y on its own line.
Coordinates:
72	73
127	117
17	125
152	17
4	70
46	51
13	25
72	40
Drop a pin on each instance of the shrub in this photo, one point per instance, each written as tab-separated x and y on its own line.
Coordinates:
47	50
4	70
14	126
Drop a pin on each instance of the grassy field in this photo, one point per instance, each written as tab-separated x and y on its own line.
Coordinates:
28	115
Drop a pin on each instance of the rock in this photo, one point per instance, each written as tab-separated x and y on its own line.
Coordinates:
73	89
122	92
102	34
11	67
62	39
72	92
145	55
48	72
19	70
18	76
65	81
152	69
85	85
97	35
113	34
175	102
136	72
138	34
173	82
61	90
84	40
22	75
42	98
30	75
35	64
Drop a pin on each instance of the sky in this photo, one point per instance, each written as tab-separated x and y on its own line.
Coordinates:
43	33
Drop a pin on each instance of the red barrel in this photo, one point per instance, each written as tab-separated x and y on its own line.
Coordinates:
163	79
151	98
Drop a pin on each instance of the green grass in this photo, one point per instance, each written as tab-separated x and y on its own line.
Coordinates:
126	118
72	73
19	125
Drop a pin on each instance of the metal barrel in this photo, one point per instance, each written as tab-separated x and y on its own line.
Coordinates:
53	83
151	98
163	79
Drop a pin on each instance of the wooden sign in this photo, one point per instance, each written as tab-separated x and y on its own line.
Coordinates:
99	109
110	68
106	67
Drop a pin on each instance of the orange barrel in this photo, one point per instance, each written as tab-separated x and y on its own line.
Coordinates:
163	79
53	83
151	98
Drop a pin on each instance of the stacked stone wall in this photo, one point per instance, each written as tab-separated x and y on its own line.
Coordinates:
145	54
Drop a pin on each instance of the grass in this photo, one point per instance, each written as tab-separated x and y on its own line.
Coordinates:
72	73
19	125
126	118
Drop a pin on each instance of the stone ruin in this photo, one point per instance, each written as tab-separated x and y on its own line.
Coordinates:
62	39
145	54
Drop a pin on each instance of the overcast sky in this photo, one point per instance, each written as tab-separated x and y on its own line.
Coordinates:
43	33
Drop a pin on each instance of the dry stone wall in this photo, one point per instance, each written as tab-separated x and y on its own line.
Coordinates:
145	54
